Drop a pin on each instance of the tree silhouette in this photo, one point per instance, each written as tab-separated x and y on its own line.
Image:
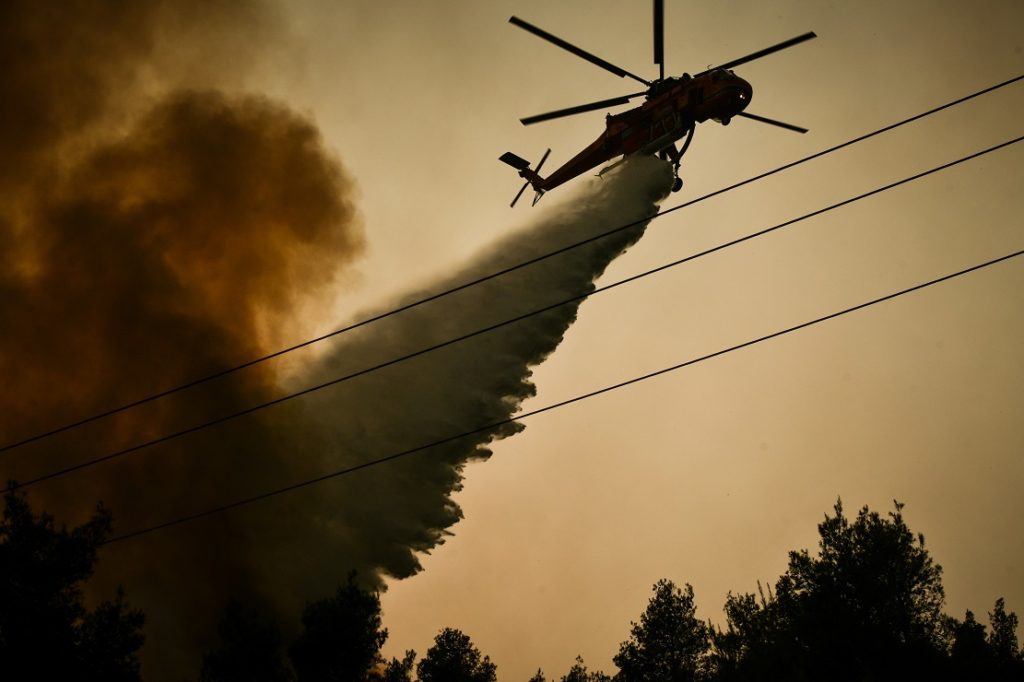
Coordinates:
970	652
867	607
755	645
453	658
251	648
579	673
538	676
870	604
669	643
398	670
1003	638
46	633
996	657
341	637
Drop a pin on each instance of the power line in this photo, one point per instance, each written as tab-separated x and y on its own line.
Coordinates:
579	297
553	406
376	318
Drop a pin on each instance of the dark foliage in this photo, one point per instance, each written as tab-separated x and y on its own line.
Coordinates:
398	670
754	645
867	607
453	658
669	643
1003	638
46	633
579	673
251	648
995	657
341	637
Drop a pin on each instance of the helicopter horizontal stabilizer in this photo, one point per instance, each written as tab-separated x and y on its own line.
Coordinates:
516	162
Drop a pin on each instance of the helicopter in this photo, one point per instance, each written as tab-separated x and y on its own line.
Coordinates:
673	108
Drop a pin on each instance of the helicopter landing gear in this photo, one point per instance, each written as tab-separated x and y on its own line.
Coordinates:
676	156
672	154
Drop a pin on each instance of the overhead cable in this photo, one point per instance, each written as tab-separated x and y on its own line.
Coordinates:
375	318
548	408
579	297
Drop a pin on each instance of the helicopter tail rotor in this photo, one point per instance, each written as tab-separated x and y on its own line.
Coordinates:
532	176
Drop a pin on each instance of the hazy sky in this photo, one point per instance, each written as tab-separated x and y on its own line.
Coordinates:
711	474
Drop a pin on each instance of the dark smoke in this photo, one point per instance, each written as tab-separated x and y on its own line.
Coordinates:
61	65
148	237
180	249
150	233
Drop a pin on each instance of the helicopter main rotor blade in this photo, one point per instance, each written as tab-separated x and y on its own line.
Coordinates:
768	50
541	33
582	108
659	37
771	121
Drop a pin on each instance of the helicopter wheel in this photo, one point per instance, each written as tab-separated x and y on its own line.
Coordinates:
677	185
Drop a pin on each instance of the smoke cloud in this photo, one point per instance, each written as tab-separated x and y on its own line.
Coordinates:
154	229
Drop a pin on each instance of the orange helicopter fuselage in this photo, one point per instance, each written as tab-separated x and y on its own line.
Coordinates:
673	107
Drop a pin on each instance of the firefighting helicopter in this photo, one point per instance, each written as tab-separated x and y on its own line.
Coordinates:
673	108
